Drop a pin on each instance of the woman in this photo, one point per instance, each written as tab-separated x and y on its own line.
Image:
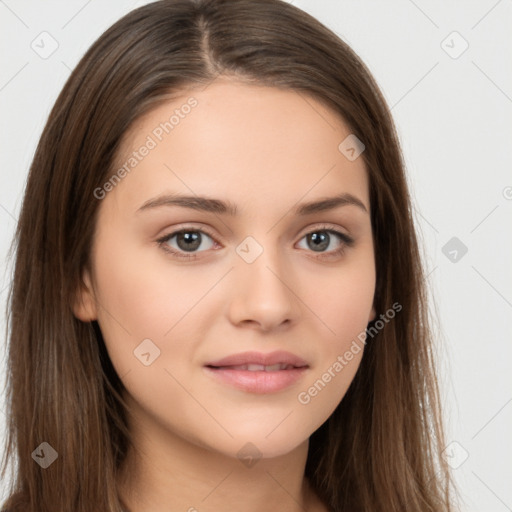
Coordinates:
218	300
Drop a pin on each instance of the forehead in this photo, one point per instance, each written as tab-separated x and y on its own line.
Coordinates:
241	140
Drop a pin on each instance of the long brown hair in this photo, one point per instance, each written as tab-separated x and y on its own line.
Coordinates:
381	448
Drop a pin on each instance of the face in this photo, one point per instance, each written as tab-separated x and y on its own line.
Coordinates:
179	284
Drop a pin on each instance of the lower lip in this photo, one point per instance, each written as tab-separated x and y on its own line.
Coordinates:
257	381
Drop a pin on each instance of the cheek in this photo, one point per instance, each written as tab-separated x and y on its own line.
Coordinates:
140	291
340	348
343	301
344	305
143	296
133	305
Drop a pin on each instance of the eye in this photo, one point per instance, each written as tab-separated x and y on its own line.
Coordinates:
328	242
188	240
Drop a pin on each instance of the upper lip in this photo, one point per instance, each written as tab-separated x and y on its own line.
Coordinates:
278	357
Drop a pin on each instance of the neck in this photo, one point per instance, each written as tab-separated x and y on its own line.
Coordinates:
164	472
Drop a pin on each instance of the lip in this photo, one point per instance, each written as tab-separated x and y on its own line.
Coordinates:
279	356
258	381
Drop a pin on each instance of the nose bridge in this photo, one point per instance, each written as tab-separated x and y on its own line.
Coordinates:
262	293
259	260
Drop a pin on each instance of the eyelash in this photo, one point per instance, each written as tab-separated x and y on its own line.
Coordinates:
347	241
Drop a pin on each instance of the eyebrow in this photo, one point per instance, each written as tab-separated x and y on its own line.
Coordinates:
211	205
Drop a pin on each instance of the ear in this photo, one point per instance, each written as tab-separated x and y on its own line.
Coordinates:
84	306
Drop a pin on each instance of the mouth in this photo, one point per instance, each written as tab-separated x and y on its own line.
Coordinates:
257	367
258	373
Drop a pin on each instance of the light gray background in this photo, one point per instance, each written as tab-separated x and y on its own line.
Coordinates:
454	120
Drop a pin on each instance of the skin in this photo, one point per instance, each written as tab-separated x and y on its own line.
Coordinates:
265	150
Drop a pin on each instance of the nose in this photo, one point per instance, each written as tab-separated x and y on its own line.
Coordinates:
263	296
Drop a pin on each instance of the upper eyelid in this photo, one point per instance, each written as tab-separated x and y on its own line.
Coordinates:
176	231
